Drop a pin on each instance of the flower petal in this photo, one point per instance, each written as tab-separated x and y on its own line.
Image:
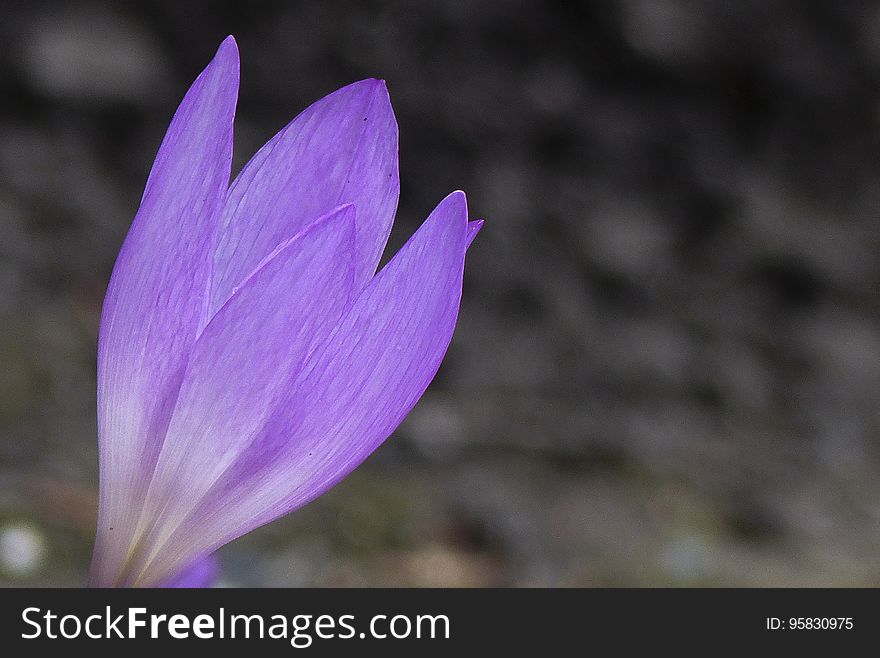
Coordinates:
156	299
202	573
342	149
472	229
351	393
241	365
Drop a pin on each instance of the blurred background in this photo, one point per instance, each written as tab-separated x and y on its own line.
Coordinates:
667	364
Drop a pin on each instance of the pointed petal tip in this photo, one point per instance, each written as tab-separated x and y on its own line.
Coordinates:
224	67
373	84
227	50
366	87
472	229
343	213
347	214
457	202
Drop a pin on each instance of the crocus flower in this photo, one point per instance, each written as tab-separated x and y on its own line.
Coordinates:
250	356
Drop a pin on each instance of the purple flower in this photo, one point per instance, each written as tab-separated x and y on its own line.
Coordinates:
250	356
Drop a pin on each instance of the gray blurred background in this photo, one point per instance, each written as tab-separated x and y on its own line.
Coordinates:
667	365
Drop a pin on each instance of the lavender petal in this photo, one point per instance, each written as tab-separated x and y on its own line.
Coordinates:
202	573
241	367
341	149
350	394
162	268
472	229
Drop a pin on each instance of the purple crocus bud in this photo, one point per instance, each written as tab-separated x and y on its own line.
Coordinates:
250	356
